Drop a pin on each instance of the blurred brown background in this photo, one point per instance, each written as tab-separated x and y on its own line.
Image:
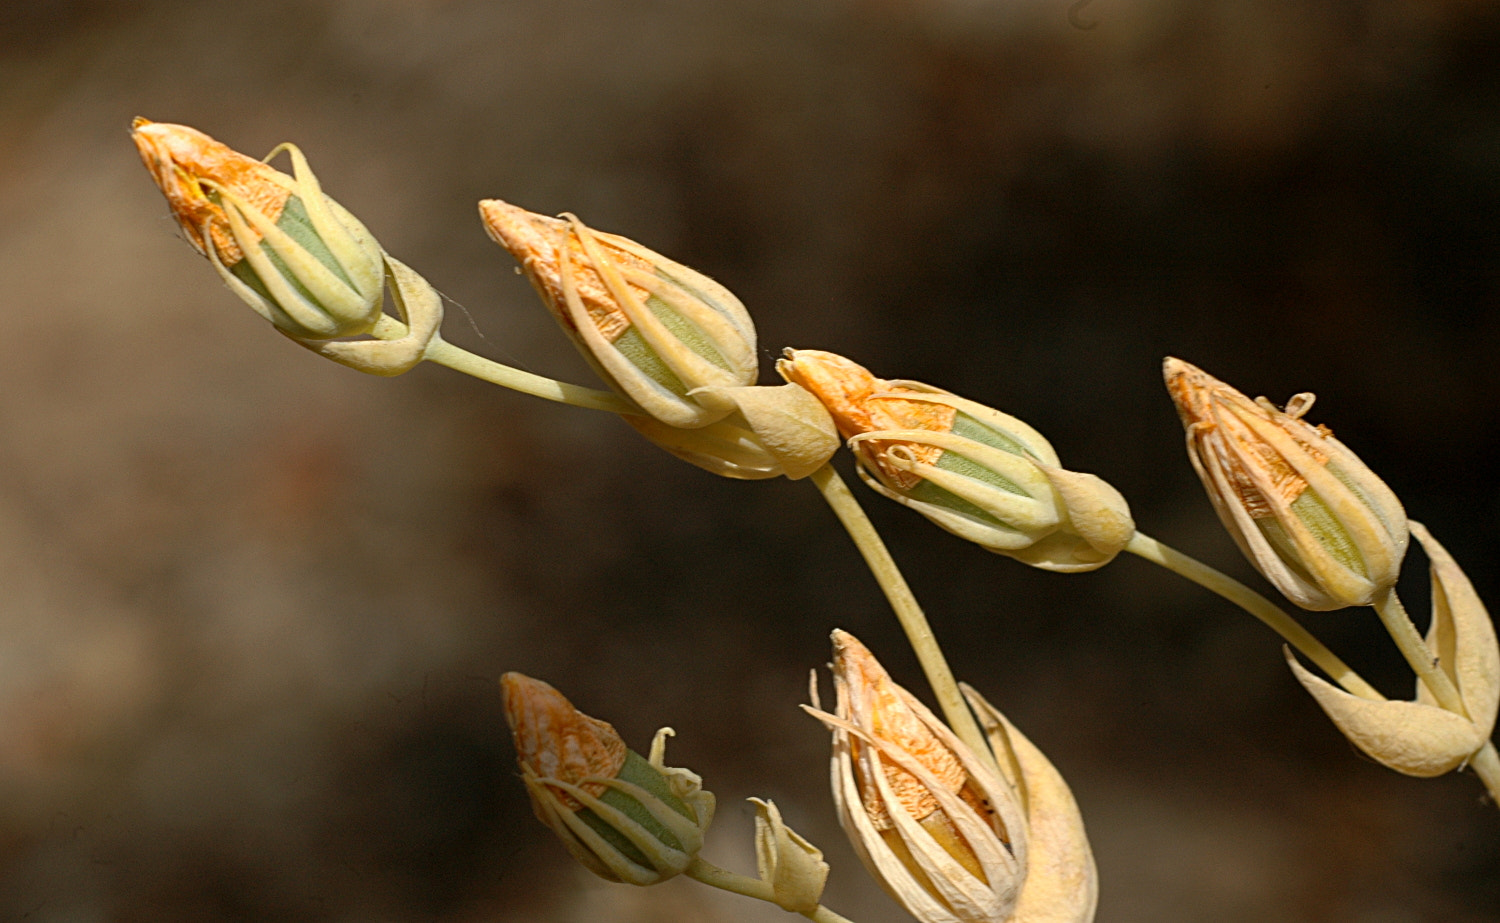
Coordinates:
253	605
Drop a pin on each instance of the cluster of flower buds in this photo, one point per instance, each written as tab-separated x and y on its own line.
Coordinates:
297	257
625	817
676	343
1311	517
948	837
980	474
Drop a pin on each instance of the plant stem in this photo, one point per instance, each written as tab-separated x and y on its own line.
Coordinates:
1486	766
1399	626
444	353
725	880
1257	605
908	612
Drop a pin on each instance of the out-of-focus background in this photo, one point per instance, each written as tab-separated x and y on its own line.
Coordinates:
253	604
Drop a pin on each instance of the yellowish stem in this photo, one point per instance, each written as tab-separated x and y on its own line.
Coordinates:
725	880
1486	766
461	360
913	620
1399	626
1257	605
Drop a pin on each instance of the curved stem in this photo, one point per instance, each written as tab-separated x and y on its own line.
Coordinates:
908	612
442	352
1257	605
725	880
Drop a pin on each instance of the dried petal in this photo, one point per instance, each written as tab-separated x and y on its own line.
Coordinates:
1409	737
1062	882
793	867
1462	637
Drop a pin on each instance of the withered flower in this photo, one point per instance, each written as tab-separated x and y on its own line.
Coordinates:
1311	517
625	817
666	336
293	254
979	473
299	258
940	831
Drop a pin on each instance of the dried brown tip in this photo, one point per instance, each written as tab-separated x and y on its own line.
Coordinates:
187	164
556	740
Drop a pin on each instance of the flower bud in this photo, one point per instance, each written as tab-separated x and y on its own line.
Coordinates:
1304	509
625	817
941	832
290	252
980	474
776	431
662	334
793	867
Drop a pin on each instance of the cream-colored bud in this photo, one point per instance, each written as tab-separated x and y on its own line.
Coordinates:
941	832
1419	738
1311	517
626	818
662	334
981	474
297	257
793	867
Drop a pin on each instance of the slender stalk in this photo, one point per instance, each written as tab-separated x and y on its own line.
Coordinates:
1257	605
725	880
461	360
1486	766
908	612
1399	626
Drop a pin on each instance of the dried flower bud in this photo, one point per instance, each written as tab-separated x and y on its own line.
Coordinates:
793	867
776	431
980	474
940	831
1420	738
1304	509
662	334
1062	883
293	254
624	817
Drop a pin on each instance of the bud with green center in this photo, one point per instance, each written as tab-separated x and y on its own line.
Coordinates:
625	817
293	254
662	334
1311	517
981	474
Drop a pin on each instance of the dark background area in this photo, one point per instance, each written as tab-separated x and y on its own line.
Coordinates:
253	605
